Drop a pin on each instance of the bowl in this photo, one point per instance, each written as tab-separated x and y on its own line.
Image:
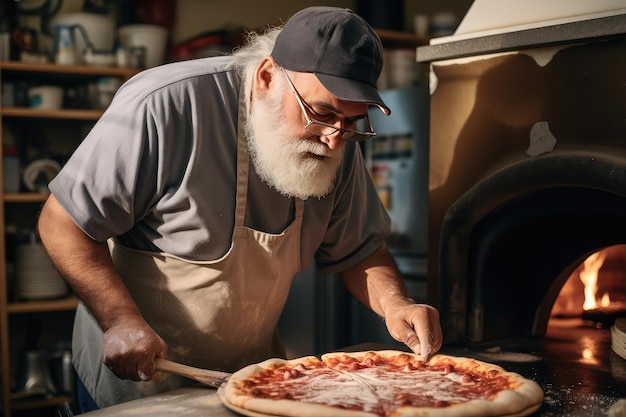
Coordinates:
100	59
39	173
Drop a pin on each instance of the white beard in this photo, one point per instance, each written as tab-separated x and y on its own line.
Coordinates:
295	167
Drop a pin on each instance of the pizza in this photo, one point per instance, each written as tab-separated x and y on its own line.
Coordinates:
385	383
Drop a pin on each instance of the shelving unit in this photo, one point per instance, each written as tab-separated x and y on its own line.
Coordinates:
70	119
64	119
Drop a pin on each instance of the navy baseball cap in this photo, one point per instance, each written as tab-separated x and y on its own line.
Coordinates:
339	47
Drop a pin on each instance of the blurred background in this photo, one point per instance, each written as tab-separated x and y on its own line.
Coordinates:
29	24
62	61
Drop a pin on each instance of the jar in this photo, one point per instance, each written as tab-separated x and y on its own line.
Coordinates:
10	169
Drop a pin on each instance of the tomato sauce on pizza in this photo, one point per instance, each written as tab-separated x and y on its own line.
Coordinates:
385	383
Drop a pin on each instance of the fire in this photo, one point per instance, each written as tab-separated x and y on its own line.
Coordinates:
589	277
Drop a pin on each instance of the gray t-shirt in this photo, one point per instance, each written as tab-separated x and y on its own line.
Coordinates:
158	172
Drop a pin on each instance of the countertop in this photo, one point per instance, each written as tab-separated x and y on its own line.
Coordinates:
573	363
195	401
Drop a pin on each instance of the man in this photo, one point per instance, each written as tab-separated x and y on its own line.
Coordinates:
182	218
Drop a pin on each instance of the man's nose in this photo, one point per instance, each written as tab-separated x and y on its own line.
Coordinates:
333	140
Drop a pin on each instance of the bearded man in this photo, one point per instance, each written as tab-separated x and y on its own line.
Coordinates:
206	185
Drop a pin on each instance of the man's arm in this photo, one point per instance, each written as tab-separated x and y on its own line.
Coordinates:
130	344
378	284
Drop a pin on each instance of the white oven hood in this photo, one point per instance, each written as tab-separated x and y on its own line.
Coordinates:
492	17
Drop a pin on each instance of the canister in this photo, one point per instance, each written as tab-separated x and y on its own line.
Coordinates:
10	169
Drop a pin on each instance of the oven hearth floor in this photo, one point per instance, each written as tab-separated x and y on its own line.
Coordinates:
574	364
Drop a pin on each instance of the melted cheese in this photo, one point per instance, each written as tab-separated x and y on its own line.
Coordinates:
380	389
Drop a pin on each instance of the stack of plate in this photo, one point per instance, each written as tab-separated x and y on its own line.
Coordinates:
36	276
618	337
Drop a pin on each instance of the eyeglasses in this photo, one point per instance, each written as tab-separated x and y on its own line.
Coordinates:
319	128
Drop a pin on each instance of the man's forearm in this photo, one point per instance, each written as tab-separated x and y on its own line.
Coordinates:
376	281
85	264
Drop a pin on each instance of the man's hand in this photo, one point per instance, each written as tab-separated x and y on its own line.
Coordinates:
378	284
130	346
415	325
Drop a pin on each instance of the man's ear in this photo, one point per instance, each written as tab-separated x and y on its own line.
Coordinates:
263	75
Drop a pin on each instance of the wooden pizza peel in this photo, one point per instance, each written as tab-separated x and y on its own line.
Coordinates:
212	378
215	379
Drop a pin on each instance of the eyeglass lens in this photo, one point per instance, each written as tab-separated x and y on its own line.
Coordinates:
315	127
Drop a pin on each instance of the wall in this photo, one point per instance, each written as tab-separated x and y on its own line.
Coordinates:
198	16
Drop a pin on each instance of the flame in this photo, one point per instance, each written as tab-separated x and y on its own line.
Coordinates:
589	277
605	301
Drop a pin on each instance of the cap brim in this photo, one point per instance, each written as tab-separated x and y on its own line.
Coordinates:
351	90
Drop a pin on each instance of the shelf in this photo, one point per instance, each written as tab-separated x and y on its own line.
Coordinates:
25	197
32	403
64	304
66	71
65	114
394	39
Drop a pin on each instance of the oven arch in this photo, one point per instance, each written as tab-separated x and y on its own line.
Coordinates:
533	222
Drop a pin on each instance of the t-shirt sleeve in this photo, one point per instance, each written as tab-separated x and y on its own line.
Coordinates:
141	173
110	180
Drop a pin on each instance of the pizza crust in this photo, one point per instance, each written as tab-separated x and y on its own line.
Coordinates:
524	398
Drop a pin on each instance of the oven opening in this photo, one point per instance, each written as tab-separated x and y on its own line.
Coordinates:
518	259
523	254
595	292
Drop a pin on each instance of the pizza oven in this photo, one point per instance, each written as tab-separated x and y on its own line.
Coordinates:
527	193
527	170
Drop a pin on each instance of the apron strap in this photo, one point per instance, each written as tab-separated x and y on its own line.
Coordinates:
243	158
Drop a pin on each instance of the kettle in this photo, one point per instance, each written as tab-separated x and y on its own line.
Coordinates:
65	44
62	371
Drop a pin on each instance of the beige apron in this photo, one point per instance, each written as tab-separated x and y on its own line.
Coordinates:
218	314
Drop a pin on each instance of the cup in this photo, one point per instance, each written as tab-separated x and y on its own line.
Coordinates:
48	97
